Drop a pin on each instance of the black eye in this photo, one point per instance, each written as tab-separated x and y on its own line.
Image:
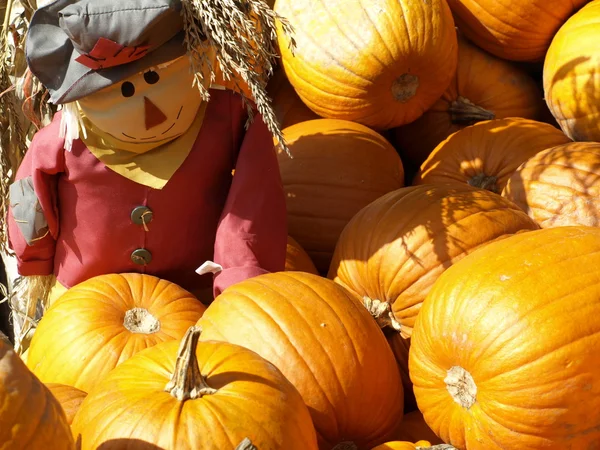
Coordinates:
127	89
151	77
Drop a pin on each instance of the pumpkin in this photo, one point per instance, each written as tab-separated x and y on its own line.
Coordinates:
400	347
484	88
190	395
337	168
570	75
559	186
486	154
382	64
392	251
403	445
30	416
70	398
491	367
289	109
518	30
296	259
413	428
101	322
323	340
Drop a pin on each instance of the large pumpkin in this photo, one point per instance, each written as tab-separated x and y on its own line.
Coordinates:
486	154
288	107
571	75
380	63
324	341
296	259
506	349
69	397
101	322
30	417
209	395
413	428
393	250
484	88
337	168
519	30
559	186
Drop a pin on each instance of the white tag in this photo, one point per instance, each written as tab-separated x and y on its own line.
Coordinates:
209	267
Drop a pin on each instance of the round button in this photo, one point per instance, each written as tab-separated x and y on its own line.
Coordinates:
141	256
141	215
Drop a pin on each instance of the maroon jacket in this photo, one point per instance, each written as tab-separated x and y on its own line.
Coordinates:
203	213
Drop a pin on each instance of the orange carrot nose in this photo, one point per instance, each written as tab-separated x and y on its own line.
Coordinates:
153	115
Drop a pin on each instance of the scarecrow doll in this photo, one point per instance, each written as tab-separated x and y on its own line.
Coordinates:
149	167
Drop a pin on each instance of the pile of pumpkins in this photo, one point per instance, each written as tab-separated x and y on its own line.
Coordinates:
441	288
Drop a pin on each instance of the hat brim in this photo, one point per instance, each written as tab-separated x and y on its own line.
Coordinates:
51	58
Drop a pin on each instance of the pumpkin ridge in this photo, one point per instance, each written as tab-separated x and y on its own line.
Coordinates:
382	40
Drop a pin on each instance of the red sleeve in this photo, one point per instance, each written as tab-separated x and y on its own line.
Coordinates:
42	164
252	234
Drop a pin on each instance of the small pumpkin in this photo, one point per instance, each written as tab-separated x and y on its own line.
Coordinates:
515	30
403	445
337	168
382	64
105	320
30	416
190	395
559	186
570	75
486	154
392	251
491	367
296	259
484	88
69	397
323	340
289	109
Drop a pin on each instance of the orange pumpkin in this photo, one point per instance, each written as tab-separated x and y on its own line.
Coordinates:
392	251
486	154
296	259
287	106
570	75
400	347
382	64
337	168
70	398
209	395
518	30
403	445
484	88
30	417
104	321
323	340
490	365
559	186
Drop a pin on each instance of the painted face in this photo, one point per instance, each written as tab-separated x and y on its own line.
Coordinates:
155	105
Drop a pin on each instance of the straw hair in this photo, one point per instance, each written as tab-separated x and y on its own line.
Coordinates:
242	33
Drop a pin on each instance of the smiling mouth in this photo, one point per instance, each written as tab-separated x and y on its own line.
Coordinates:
154	137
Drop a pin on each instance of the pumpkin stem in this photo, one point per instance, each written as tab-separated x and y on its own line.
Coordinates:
405	87
464	112
246	444
139	320
382	313
461	386
345	446
187	382
483	181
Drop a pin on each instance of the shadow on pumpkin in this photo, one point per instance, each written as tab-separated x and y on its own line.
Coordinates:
122	444
336	170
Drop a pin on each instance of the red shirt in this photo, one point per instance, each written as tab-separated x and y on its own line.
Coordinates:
202	213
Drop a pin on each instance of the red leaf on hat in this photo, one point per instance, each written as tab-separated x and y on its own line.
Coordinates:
107	53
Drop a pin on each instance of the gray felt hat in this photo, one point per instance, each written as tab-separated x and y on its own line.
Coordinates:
78	47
